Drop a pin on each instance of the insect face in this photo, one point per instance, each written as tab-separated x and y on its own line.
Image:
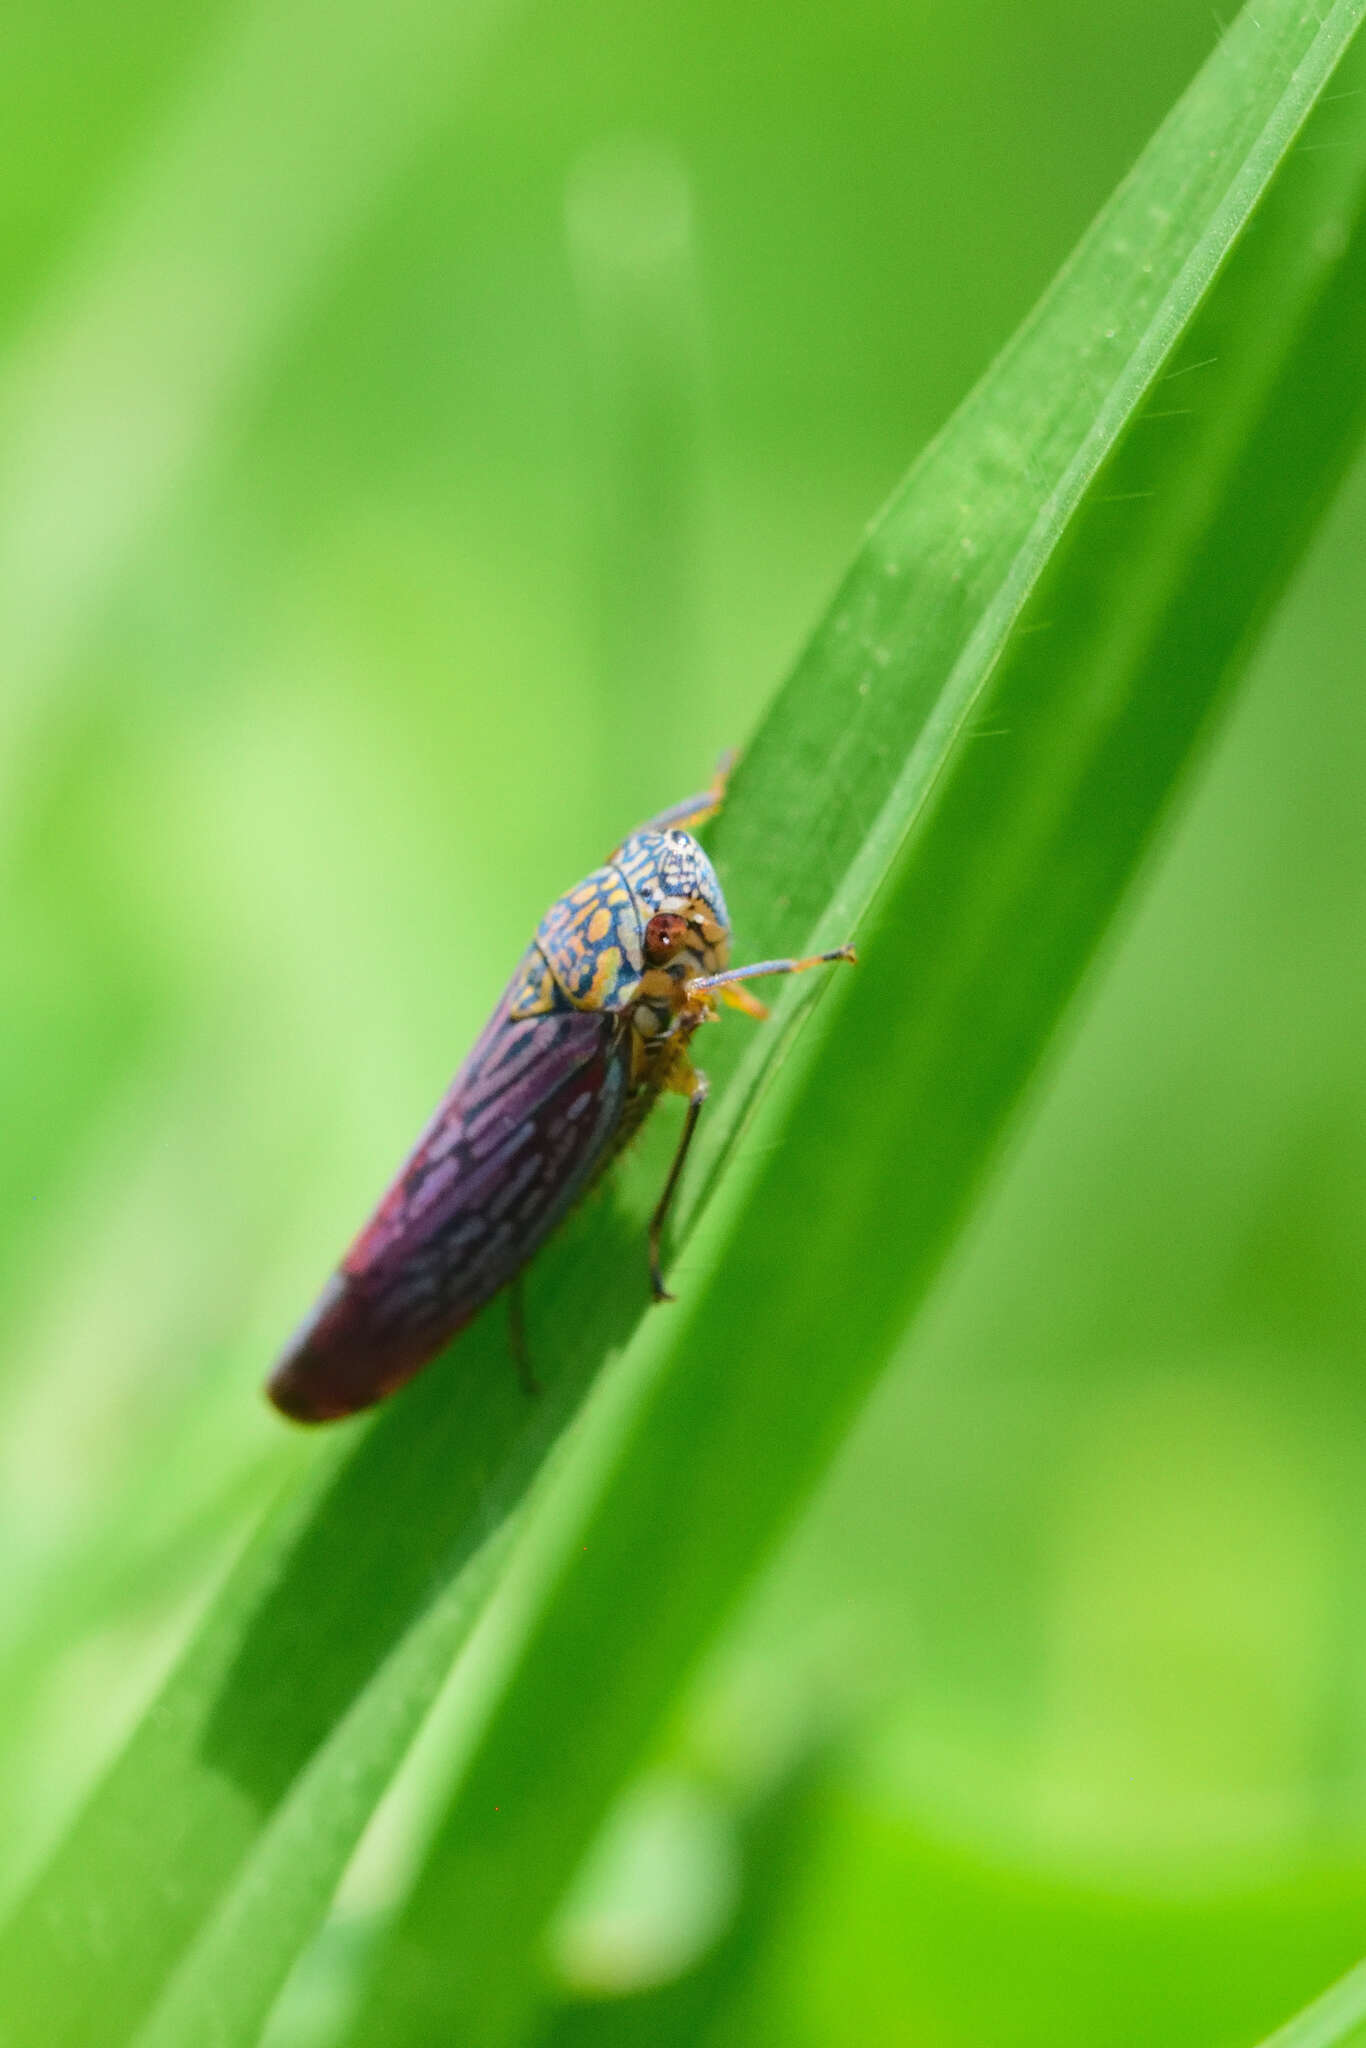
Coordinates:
685	923
684	928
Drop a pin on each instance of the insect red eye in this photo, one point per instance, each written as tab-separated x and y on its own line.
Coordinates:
664	935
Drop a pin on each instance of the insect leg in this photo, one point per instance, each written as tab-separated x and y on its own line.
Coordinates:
665	1202
739	998
695	810
701	982
517	1337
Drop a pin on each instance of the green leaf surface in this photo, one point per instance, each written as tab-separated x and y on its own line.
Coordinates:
966	765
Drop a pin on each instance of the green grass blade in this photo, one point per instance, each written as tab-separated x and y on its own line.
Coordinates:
344	1615
994	714
1337	2020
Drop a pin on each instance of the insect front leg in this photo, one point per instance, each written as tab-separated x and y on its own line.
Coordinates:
686	1080
702	983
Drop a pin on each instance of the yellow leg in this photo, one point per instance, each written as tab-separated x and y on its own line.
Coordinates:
684	1079
695	810
741	999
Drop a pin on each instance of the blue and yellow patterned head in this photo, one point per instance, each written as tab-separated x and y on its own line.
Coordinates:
596	942
668	871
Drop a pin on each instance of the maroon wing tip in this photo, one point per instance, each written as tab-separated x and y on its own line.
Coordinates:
332	1366
301	1385
293	1389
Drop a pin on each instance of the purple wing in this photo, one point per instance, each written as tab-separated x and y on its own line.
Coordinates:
522	1129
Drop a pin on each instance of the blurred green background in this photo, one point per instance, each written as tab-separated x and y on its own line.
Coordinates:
424	440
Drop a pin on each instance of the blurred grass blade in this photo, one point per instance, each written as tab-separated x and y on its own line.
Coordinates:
987	868
629	223
192	272
721	1997
994	714
297	1699
1337	2020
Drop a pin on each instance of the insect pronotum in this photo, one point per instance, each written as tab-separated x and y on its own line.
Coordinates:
595	1026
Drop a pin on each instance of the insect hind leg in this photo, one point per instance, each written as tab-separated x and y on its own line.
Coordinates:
521	1354
695	810
662	1207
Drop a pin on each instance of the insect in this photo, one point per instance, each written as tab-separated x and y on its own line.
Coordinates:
595	1025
